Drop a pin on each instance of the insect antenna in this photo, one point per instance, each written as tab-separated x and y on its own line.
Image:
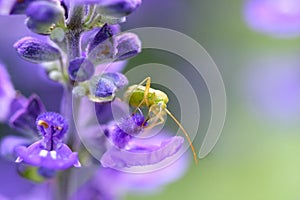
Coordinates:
185	133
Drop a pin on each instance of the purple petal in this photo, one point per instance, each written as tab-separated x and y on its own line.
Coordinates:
89	36
59	159
103	34
118	79
156	180
109	111
122	131
123	183
7	94
140	154
81	69
19	102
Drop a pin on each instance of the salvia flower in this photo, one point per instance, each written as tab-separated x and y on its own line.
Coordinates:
49	152
36	51
128	151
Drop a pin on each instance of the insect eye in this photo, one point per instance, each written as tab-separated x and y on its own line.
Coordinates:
43	124
59	128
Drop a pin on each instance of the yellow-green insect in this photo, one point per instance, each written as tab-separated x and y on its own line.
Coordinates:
156	102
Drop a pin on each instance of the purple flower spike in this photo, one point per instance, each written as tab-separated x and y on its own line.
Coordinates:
81	69
139	154
7	94
128	46
24	118
50	152
36	51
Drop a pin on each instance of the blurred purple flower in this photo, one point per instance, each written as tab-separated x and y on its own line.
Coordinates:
280	18
139	153
7	94
273	87
14	184
100	187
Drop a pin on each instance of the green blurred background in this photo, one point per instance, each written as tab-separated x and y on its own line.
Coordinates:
257	156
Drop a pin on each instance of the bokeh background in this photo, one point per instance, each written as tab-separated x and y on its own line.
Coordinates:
256	45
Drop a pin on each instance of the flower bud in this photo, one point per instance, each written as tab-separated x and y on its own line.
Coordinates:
105	88
118	8
45	12
128	46
36	51
102	88
38	27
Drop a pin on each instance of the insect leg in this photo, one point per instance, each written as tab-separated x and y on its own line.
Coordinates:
146	92
185	133
157	114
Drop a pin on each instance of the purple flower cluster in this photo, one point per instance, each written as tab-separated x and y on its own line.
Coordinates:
85	51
